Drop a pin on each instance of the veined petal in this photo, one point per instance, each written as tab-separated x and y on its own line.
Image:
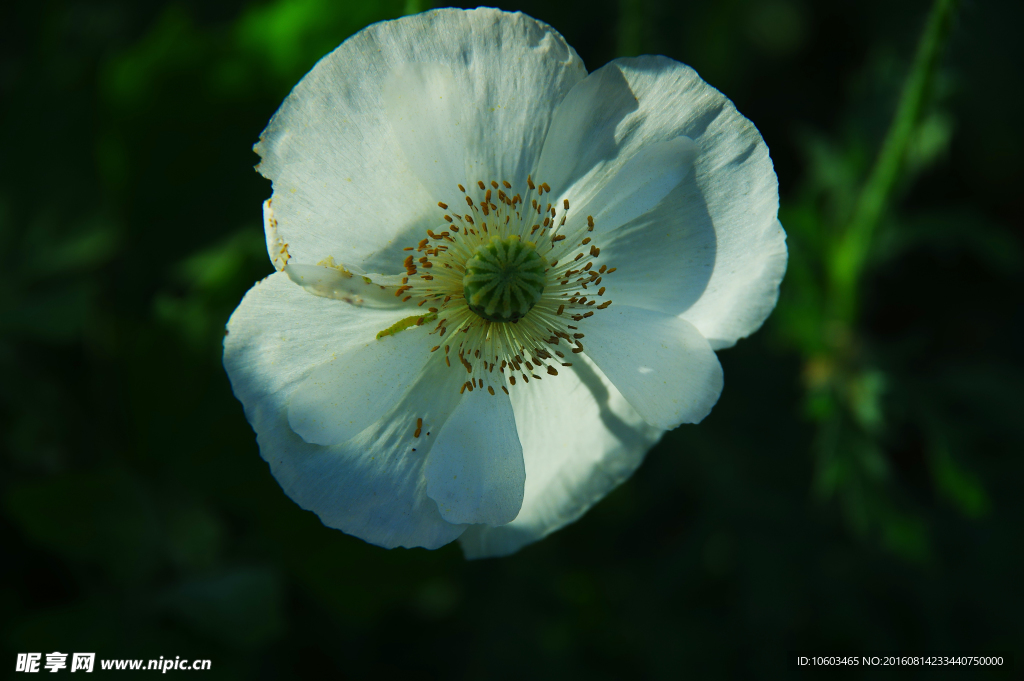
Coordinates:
342	184
371	486
661	364
345	395
732	281
475	470
466	112
571	463
431	124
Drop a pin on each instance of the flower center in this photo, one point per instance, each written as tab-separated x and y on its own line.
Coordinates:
504	279
508	284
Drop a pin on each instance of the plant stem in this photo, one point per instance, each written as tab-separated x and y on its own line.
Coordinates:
854	245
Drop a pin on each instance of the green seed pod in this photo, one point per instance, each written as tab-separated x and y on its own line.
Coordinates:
504	279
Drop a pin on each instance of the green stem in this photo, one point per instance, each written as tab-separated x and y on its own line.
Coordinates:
854	245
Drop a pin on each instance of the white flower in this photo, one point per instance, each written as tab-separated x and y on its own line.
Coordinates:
486	361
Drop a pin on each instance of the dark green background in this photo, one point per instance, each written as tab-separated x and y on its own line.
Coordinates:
857	490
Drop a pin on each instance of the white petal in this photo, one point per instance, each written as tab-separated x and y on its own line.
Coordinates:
584	135
280	332
432	124
744	285
665	257
475	470
571	463
345	395
635	187
585	160
339	284
342	185
660	363
371	486
465	113
720	225
643	181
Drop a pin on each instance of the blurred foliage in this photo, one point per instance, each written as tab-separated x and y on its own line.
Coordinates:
833	223
855	491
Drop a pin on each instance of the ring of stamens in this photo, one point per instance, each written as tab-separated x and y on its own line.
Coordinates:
508	284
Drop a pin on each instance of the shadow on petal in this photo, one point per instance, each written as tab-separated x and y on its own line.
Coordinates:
665	257
612	421
585	130
373	485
